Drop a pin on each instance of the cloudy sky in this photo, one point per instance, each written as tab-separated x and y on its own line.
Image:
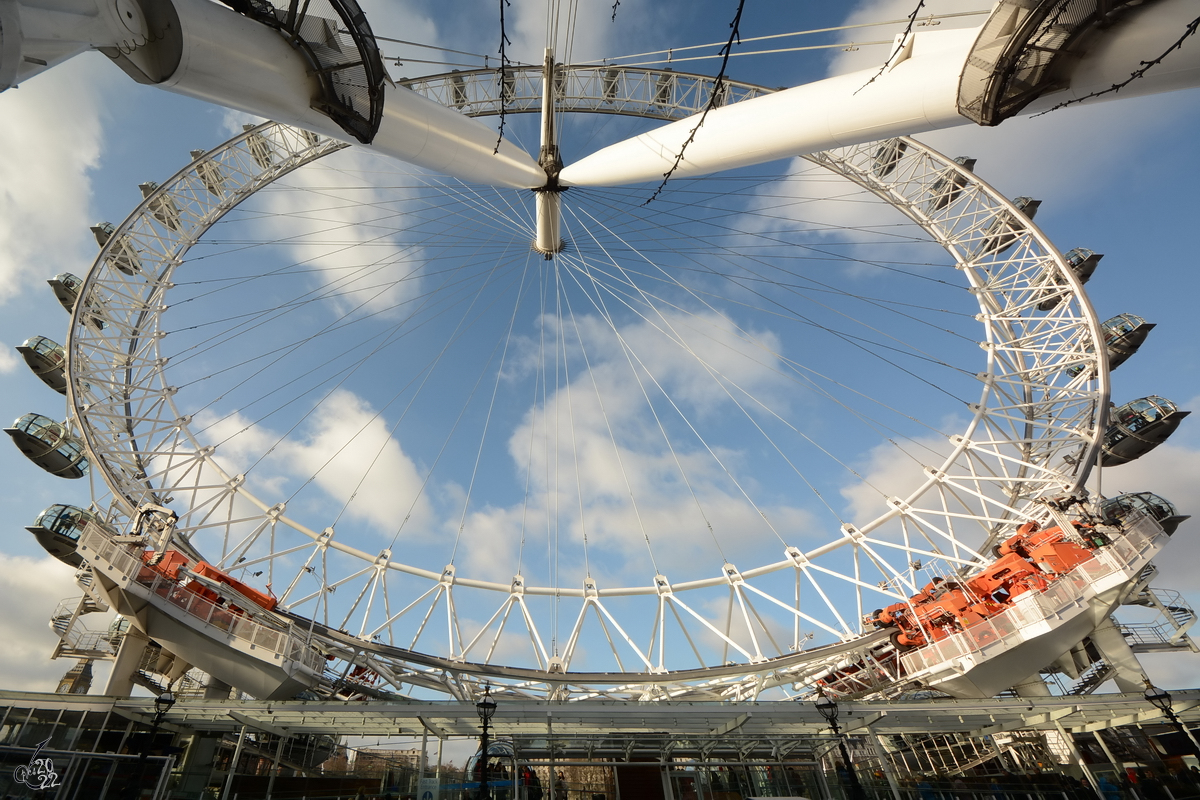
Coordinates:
75	142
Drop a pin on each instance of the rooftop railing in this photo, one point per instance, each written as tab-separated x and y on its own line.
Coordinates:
1029	615
110	556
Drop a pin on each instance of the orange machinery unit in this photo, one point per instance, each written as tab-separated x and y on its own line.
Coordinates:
1027	561
175	567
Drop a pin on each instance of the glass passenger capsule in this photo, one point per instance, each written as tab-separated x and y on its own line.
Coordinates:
122	254
103	231
888	156
66	286
162	207
949	184
1118	509
1082	262
1138	427
49	445
1123	334
48	361
1003	230
210	174
57	530
664	89
260	149
612	80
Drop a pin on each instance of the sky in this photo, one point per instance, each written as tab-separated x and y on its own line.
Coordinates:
75	142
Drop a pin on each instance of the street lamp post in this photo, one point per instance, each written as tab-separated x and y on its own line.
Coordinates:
486	708
829	710
162	704
1161	699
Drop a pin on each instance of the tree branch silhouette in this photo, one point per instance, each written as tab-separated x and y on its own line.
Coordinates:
734	36
912	20
503	78
1146	66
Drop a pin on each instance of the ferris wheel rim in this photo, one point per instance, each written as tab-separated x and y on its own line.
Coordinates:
144	209
82	314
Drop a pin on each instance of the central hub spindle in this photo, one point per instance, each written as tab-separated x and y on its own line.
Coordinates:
549	240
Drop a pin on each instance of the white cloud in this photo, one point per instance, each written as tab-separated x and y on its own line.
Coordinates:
352	454
598	466
351	232
9	361
54	122
704	362
344	447
695	357
891	471
584	31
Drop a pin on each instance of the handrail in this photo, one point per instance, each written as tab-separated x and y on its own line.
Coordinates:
1007	629
98	546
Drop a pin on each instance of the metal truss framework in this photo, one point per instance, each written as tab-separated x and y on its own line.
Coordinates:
1033	434
654	94
579	729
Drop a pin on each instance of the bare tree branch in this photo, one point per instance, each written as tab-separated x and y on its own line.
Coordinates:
1146	66
1053	20
615	4
912	20
734	36
503	78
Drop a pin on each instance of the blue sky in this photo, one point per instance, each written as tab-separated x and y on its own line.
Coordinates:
1114	178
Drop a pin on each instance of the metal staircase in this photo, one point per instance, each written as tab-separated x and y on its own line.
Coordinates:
1092	678
86	581
1167	633
953	754
76	640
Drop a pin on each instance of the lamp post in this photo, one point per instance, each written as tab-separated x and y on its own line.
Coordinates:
162	704
1161	699
486	708
829	710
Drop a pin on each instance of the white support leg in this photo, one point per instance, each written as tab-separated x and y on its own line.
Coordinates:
549	233
1129	677
129	658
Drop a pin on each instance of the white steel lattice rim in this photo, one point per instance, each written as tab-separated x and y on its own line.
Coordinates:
119	397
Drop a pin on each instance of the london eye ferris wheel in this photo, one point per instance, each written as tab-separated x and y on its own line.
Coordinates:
568	440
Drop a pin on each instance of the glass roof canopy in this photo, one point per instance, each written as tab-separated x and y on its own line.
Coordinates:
627	730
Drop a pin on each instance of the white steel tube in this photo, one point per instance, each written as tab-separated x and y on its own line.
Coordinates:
235	62
548	238
237	755
549	223
917	94
548	138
